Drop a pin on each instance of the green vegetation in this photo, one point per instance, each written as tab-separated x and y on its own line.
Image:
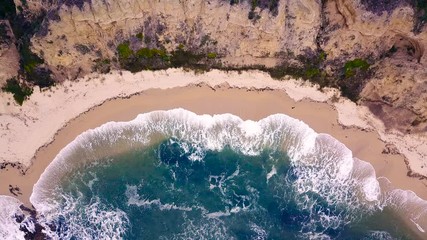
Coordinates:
353	79
187	59
393	49
20	91
155	59
322	56
142	59
312	72
350	80
352	66
4	37
280	71
349	77
124	51
273	6
254	4
29	60
211	55
24	3
140	36
151	52
422	6
421	13
32	68
252	15
7	9
102	66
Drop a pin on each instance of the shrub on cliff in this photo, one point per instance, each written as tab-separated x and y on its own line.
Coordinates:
184	58
102	66
19	90
4	36
7	9
32	68
354	66
354	76
142	59
124	51
421	14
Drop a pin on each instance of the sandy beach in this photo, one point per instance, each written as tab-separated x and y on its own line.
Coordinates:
33	135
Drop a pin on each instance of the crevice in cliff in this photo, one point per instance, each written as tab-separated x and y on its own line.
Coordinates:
323	24
346	10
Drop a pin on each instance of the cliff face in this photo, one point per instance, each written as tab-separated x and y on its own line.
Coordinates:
73	36
311	39
9	56
385	32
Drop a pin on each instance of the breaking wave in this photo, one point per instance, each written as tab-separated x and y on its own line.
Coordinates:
328	186
9	226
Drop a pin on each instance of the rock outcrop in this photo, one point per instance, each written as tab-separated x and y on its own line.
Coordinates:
9	56
72	36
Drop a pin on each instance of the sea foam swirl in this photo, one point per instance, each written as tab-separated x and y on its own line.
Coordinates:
9	227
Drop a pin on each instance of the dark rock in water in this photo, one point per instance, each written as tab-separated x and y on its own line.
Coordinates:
36	233
19	218
28	222
32	212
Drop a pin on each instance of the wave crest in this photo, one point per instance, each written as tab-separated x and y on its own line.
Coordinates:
323	165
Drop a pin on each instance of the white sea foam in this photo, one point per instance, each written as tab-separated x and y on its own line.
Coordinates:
212	228
92	181
134	199
271	173
378	235
9	227
90	221
323	165
250	128
408	204
259	231
418	226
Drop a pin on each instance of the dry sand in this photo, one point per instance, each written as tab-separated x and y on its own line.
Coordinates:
251	95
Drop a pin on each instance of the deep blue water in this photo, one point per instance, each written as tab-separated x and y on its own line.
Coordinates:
177	175
159	193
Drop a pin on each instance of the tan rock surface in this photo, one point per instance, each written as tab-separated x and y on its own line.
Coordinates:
76	33
212	25
9	58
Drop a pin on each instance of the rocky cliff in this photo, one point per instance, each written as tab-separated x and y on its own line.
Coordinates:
372	50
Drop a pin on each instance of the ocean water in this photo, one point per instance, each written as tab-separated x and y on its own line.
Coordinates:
177	175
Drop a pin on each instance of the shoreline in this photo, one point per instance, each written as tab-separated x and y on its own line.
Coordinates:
211	93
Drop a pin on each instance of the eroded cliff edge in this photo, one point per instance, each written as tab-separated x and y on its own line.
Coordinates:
373	51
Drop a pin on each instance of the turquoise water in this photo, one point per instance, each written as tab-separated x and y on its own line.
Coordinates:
212	178
158	193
